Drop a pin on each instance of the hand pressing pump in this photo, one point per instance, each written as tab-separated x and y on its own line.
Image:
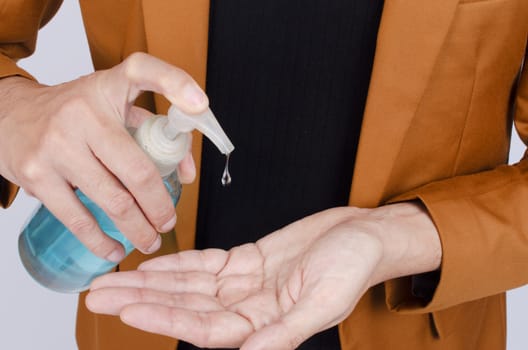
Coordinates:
56	259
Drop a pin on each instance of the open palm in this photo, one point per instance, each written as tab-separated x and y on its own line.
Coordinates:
274	293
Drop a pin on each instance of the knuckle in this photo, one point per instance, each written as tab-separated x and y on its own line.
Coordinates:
162	216
54	140
176	77
82	226
69	118
132	64
100	249
99	246
142	173
31	170
73	112
119	204
168	83
137	56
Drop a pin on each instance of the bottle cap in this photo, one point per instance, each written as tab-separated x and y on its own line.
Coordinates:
164	152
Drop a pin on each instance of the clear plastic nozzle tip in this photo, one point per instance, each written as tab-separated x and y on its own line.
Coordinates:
206	123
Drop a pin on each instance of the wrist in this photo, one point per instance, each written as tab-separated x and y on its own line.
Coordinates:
409	240
13	90
14	82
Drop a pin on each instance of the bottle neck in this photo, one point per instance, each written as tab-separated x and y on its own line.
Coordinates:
164	152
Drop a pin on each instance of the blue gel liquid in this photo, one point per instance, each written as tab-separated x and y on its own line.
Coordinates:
57	260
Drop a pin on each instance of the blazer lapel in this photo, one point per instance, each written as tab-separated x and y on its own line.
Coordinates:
177	32
410	38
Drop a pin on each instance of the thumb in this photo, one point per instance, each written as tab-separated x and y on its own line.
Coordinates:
289	332
278	336
141	72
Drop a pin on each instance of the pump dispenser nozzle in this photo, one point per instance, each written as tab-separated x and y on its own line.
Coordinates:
205	122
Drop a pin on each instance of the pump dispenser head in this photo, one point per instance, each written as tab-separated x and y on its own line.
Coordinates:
206	123
166	140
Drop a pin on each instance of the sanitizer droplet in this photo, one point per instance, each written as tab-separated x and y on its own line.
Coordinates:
226	177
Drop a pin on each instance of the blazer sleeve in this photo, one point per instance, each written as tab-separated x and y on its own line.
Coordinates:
19	25
482	220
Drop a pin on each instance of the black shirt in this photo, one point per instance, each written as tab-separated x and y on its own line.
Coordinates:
288	81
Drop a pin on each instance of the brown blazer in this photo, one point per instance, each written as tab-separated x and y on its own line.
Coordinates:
436	128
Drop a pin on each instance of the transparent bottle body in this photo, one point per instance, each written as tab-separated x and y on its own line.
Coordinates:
56	259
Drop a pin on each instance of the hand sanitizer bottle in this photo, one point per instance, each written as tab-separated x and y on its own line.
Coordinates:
56	259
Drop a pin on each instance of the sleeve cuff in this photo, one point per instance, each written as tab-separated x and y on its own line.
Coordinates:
8	192
483	242
8	67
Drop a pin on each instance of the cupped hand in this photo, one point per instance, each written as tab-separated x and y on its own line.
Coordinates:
54	139
273	294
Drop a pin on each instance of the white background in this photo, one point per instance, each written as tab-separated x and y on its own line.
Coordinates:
32	317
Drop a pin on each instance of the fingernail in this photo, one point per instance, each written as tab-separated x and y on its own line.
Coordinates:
155	246
194	95
116	255
169	225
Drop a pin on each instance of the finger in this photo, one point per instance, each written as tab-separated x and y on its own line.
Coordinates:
105	190
222	329
209	260
168	282
142	72
136	116
111	301
62	202
122	156
186	168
